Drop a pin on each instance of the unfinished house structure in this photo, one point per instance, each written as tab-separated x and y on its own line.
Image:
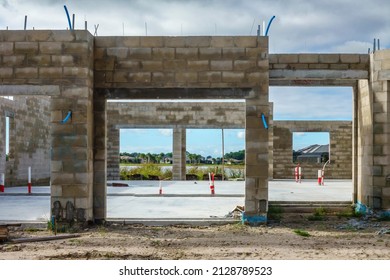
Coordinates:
79	73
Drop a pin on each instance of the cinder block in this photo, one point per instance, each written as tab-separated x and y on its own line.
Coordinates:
288	58
210	53
75	191
161	77
152	41
245	42
243	65
38	60
62	60
151	65
210	76
75	48
329	58
163	53
50	48
26	48
186	77
187	53
140	77
6	72
50	72
233	77
223	65
198	65
13	60
175	65
308	58
175	42
61	178
6	48
133	65
79	72
26	72
233	53
128	41
257	77
198	41
140	53
120	53
350	58
222	41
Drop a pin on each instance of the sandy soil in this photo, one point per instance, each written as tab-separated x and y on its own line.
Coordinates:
334	238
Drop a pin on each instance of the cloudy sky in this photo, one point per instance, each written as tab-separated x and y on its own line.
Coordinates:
300	26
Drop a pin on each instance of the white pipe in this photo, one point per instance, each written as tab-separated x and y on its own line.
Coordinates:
29	174
263	29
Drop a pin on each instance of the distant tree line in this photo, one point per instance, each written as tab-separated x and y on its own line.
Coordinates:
138	158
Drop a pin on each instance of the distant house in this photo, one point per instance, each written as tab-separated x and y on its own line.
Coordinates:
168	160
312	154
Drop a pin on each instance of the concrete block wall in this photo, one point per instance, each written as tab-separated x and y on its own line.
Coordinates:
63	59
380	196
313	61
340	134
29	140
173	114
185	62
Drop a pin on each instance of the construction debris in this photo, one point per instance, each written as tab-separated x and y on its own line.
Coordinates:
383	231
3	233
44	238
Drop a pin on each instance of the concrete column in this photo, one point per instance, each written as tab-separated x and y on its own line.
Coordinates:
72	151
365	145
2	142
113	159
256	157
100	159
179	154
381	130
355	144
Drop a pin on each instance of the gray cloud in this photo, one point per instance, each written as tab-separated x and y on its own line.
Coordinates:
310	26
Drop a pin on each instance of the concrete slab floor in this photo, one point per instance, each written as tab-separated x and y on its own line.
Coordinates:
181	199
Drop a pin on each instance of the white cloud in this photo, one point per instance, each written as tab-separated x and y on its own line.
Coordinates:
308	103
299	134
300	26
241	135
352	47
166	132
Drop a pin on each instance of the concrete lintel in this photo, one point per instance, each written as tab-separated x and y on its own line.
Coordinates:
12	90
174	93
184	125
312	83
315	74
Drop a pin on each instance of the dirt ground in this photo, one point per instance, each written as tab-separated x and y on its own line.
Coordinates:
332	238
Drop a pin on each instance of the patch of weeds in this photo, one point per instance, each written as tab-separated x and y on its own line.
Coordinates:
275	213
238	227
102	230
349	214
301	232
75	241
319	215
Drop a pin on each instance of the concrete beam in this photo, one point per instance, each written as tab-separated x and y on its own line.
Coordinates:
174	93
312	83
315	74
31	90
